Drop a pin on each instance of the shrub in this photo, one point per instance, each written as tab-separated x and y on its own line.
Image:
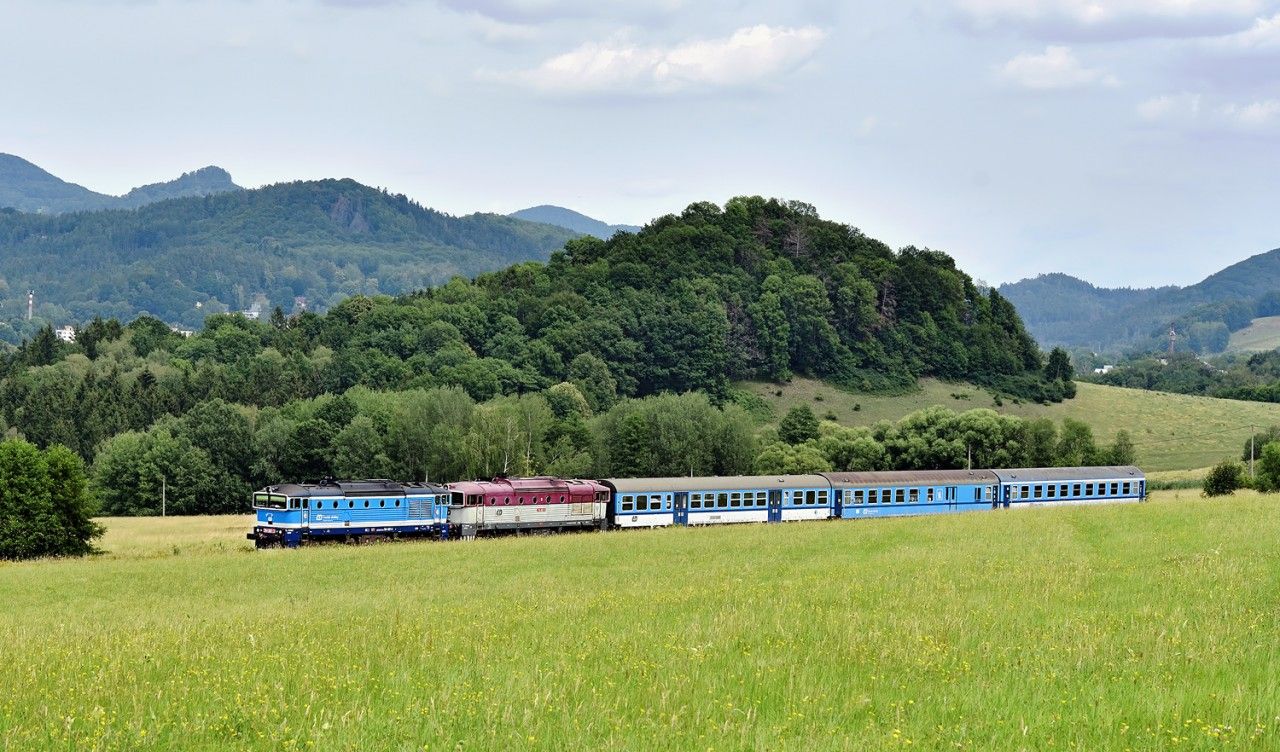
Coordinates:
1224	479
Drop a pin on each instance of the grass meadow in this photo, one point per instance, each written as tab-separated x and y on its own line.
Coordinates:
1143	627
1261	335
1170	431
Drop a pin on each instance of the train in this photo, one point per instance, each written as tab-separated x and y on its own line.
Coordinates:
294	514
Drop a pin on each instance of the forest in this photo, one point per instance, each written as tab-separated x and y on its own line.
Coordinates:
615	357
183	259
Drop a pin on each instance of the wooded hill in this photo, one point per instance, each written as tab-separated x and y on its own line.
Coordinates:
528	369
184	259
1061	310
28	188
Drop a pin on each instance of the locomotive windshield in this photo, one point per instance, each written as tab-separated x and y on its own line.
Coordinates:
270	501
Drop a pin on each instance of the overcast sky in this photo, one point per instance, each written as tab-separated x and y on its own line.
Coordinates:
1129	142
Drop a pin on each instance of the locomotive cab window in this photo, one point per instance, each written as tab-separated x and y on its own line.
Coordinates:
270	501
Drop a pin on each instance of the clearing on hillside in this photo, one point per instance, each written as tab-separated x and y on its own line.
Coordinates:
1260	335
1170	431
1141	626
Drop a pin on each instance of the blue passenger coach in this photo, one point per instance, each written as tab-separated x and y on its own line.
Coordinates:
293	513
1023	488
657	502
891	494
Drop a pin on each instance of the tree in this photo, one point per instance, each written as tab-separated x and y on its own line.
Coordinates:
592	377
798	426
1268	468
786	459
1224	479
44	507
1122	451
1059	366
1255	444
1075	444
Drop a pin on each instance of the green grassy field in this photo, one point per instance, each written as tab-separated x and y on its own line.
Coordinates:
1170	431
1144	627
1261	334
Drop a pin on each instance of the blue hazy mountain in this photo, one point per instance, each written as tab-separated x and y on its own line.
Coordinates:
571	220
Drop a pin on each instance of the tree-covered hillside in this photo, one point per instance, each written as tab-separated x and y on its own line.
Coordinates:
530	369
184	259
1062	310
28	188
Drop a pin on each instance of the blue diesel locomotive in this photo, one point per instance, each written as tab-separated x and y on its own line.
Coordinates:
291	514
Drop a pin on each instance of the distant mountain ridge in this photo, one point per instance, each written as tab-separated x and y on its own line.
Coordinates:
571	220
1059	309
313	241
29	188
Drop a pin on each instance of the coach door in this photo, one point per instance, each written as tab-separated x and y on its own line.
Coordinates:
775	506
682	508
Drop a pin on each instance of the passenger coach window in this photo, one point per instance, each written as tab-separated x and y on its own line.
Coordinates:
1075	490
761	498
723	500
1053	491
628	503
858	496
1039	491
872	496
1115	488
1126	489
735	500
914	496
1088	489
900	496
928	494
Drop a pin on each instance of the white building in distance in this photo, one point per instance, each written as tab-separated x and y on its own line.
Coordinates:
65	333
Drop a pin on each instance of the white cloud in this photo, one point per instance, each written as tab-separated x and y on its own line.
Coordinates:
1187	110
1263	35
1056	68
1170	107
532	11
1113	19
747	57
1253	115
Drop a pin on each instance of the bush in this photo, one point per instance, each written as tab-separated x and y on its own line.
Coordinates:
799	425
1224	479
44	503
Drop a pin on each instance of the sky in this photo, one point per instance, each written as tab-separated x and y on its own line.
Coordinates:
1127	142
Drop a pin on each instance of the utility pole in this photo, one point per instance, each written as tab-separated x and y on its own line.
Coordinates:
968	448
1252	451
164	494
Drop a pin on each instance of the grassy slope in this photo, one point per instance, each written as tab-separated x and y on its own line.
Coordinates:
1137	626
1170	431
1262	334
